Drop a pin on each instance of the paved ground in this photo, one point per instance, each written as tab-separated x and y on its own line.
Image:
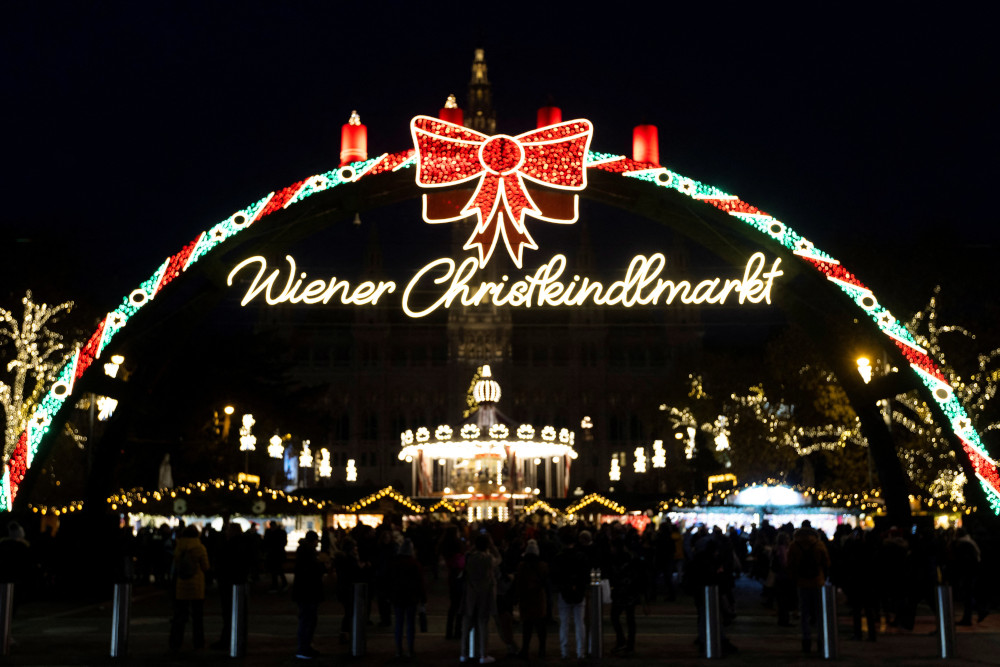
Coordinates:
74	634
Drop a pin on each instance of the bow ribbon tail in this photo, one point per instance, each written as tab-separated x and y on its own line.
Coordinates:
506	219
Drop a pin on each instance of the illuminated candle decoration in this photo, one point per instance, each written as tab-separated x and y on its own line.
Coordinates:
248	441
325	469
275	449
305	457
639	465
659	455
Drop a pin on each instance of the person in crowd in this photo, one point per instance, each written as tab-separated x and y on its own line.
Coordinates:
480	602
705	567
809	563
384	555
530	584
405	584
627	581
965	559
16	563
452	551
190	566
275	543
571	574
350	571
231	568
784	583
307	592
858	578
510	558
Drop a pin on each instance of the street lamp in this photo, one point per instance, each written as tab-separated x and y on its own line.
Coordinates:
865	369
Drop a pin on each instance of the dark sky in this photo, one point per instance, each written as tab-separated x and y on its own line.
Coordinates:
131	127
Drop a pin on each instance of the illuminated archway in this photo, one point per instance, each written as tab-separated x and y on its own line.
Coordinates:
653	179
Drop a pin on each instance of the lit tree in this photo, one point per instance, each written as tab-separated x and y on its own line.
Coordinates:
929	459
34	354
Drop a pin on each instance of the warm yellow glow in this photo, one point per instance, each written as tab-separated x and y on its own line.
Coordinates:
455	285
229	409
865	369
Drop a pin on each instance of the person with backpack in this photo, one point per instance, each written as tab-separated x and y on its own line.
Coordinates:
190	566
809	563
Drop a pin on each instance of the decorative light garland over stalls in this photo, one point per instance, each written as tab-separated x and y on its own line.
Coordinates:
493	464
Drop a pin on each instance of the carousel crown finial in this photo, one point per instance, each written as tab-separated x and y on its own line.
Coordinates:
487	390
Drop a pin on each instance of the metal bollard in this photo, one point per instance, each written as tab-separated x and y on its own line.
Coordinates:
713	629
828	601
946	622
238	622
6	614
120	615
360	620
595	633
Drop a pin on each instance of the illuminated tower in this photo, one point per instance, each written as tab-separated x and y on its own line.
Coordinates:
477	335
479	114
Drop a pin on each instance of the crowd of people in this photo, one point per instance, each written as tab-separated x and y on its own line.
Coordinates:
536	574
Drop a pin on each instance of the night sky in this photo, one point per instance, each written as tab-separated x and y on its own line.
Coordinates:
131	127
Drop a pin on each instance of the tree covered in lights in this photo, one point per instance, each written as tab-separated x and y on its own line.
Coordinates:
923	446
781	416
31	354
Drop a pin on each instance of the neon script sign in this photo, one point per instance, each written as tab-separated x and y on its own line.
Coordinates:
450	283
502	180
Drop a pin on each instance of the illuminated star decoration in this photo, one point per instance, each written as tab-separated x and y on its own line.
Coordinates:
552	156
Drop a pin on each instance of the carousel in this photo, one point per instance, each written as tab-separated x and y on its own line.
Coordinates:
489	463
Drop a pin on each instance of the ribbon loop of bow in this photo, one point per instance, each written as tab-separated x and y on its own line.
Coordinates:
552	156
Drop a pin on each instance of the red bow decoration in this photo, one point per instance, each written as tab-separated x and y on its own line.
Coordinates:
553	156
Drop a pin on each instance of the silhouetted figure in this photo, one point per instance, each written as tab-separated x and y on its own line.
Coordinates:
405	584
307	592
232	568
350	571
275	544
452	551
190	566
626	586
571	574
809	562
858	576
480	602
530	584
965	564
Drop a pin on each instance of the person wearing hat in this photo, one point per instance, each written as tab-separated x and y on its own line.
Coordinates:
307	592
